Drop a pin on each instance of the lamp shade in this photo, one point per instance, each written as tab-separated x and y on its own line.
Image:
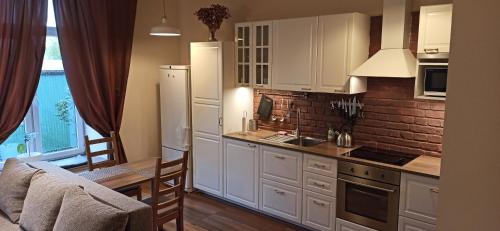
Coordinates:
164	29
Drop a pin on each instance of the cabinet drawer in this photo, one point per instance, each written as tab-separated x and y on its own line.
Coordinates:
407	224
318	211
281	165
342	225
320	165
281	200
419	198
320	184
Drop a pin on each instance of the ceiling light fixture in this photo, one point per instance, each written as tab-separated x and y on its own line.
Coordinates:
164	29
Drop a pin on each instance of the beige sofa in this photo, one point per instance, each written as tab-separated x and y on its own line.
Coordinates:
140	214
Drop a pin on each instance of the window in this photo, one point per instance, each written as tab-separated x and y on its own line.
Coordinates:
52	128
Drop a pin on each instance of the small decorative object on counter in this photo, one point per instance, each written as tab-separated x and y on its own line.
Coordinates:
349	110
331	135
213	17
253	125
244	123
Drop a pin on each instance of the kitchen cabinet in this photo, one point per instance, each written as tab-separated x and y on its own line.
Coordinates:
320	184
294	54
281	165
318	211
281	200
435	29
241	172
262	60
243	50
320	165
206	96
407	224
342	225
419	198
253	54
343	44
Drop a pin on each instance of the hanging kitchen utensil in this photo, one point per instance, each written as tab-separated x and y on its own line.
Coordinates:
265	107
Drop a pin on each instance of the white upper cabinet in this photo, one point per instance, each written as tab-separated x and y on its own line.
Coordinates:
262	58
243	50
294	54
343	44
435	29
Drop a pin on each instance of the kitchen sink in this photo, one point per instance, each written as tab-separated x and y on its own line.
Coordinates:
305	141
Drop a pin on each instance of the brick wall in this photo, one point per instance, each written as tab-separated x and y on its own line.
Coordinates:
393	118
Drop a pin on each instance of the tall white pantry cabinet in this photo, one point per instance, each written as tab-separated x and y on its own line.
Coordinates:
217	108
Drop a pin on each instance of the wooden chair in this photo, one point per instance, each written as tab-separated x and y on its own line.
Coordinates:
167	198
113	159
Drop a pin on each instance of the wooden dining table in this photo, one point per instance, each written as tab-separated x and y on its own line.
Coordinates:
123	175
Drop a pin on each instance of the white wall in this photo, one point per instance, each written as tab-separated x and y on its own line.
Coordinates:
469	186
141	117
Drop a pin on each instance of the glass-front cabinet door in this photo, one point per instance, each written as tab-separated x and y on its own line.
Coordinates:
262	54
243	41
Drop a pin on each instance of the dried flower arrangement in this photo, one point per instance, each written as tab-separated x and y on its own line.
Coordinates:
213	17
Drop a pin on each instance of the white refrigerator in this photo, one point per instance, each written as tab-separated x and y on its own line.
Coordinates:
175	104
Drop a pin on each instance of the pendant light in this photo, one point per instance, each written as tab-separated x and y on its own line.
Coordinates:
164	29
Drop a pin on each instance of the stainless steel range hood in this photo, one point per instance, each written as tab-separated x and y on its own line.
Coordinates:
394	59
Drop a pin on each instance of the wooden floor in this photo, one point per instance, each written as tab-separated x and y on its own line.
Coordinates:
203	212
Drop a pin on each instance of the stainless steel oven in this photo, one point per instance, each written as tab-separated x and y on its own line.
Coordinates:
368	196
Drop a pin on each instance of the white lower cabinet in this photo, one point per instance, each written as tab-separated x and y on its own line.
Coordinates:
320	184
281	200
281	165
408	224
419	198
318	211
342	225
241	172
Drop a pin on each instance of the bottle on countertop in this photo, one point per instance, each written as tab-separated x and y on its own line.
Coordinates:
331	134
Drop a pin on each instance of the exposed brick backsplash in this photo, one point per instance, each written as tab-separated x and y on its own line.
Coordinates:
393	120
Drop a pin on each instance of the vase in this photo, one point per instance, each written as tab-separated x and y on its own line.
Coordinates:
211	37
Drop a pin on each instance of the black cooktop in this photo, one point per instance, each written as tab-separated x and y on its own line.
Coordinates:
383	156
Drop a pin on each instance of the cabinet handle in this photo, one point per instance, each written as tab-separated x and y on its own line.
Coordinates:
319	165
434	190
319	184
319	203
252	145
259	86
220	121
279	192
305	89
339	91
431	51
279	157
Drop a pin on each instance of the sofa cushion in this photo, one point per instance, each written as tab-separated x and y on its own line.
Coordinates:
6	224
43	202
14	181
80	210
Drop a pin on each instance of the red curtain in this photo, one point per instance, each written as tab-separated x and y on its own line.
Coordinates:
22	46
95	37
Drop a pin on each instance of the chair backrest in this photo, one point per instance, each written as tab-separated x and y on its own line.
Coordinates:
110	151
169	181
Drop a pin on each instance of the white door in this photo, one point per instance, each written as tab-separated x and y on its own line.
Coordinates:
294	53
206	82
241	172
174	101
419	197
341	225
407	224
435	28
333	35
318	211
281	200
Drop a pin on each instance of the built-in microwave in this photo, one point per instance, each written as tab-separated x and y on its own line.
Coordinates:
435	78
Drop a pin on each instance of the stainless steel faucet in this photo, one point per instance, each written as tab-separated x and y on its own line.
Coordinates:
297	131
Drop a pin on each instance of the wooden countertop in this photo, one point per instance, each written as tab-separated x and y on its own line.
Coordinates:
422	165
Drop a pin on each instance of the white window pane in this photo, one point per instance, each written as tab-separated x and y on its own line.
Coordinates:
51	19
